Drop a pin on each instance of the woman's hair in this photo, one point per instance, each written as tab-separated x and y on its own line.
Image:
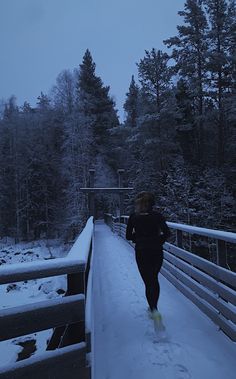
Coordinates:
144	202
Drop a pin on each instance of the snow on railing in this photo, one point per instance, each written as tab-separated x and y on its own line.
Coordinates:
75	261
212	233
81	247
220	236
18	272
67	315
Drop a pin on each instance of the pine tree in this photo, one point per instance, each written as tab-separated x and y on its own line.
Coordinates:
189	52
185	120
177	186
131	104
93	100
154	76
86	139
8	149
230	95
12	123
158	108
42	173
219	65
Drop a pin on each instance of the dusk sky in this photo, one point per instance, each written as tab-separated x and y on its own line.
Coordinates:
40	38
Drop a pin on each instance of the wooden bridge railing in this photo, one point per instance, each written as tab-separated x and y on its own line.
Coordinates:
211	287
67	352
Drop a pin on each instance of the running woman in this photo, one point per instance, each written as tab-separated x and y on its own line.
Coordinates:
148	230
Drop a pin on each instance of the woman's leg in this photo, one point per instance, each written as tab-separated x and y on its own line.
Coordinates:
149	264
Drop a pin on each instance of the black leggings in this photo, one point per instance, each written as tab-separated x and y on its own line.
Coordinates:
149	264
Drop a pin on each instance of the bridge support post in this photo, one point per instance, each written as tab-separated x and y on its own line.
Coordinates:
120	185
179	238
221	253
92	191
91	195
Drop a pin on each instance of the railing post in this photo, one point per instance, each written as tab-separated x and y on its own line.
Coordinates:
75	283
74	333
221	253
113	224
179	238
88	287
70	334
91	195
120	185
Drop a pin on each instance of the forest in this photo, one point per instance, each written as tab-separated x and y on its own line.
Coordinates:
177	140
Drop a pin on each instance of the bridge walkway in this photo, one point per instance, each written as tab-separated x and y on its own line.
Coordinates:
124	341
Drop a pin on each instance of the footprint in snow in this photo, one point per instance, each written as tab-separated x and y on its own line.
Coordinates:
182	372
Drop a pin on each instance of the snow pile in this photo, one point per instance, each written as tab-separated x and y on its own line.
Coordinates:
30	251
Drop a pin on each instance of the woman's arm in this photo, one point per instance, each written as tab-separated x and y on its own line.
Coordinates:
165	231
130	235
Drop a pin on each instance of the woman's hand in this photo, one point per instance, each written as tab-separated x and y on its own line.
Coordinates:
133	237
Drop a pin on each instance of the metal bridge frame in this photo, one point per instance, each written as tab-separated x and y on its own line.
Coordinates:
92	191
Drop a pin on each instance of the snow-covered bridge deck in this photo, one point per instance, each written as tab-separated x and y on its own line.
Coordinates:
124	340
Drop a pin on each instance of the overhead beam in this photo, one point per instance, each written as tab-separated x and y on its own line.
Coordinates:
109	189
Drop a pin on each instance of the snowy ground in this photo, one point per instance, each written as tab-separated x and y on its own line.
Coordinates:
125	344
29	292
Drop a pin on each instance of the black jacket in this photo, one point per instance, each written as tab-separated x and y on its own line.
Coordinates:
147	231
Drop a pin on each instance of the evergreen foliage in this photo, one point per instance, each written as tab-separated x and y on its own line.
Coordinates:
184	146
131	104
178	138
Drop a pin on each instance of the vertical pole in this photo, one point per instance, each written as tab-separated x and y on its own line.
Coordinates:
121	197
74	333
120	185
221	251
91	194
120	177
179	238
91	177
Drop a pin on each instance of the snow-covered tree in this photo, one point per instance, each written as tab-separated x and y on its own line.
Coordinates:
93	100
219	36
154	76
63	92
131	104
189	53
86	138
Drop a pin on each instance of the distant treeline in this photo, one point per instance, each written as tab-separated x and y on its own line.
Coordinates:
178	138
